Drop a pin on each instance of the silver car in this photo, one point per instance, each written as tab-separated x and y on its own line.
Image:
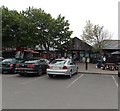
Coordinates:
62	67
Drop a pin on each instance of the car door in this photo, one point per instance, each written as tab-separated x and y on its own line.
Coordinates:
73	67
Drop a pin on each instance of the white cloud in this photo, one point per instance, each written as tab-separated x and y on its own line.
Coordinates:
103	12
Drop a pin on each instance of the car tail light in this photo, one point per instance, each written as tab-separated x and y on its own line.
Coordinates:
31	66
65	67
11	65
17	65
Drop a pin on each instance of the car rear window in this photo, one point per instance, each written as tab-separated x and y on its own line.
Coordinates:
58	62
31	61
42	61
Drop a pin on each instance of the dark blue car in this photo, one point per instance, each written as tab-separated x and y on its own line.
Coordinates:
8	65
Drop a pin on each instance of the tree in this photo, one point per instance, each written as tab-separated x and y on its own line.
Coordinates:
95	36
61	31
10	26
33	27
47	31
40	26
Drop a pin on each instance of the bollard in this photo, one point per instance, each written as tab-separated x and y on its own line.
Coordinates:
118	69
86	63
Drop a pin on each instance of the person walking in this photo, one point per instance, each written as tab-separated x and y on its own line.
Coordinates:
104	60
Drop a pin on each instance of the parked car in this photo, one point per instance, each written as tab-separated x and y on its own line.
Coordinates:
8	65
0	67
1	58
32	67
62	67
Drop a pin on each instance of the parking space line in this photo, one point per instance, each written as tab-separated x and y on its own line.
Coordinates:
115	81
74	81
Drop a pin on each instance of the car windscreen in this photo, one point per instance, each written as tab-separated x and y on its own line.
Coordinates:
42	61
58	62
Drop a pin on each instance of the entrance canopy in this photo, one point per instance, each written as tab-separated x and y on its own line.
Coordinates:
116	53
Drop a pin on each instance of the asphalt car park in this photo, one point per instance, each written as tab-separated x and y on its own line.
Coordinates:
81	91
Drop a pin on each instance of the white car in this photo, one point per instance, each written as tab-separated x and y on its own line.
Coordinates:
62	67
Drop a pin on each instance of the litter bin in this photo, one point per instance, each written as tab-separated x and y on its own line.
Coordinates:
118	69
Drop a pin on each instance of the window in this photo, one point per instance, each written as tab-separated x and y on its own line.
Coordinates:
58	62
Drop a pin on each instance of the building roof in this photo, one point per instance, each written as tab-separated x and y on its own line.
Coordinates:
77	44
112	44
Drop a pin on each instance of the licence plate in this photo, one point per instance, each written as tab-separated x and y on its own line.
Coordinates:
57	68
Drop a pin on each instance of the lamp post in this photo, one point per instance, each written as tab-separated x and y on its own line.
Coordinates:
86	60
86	63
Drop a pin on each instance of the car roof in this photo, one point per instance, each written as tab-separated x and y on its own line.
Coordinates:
42	59
31	61
9	58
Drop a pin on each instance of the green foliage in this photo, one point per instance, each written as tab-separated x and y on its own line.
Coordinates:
61	31
33	27
10	26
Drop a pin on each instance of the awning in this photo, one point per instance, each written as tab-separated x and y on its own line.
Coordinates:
32	51
116	53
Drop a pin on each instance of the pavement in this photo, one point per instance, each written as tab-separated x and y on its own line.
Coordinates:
91	69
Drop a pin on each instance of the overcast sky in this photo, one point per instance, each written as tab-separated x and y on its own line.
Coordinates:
102	12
